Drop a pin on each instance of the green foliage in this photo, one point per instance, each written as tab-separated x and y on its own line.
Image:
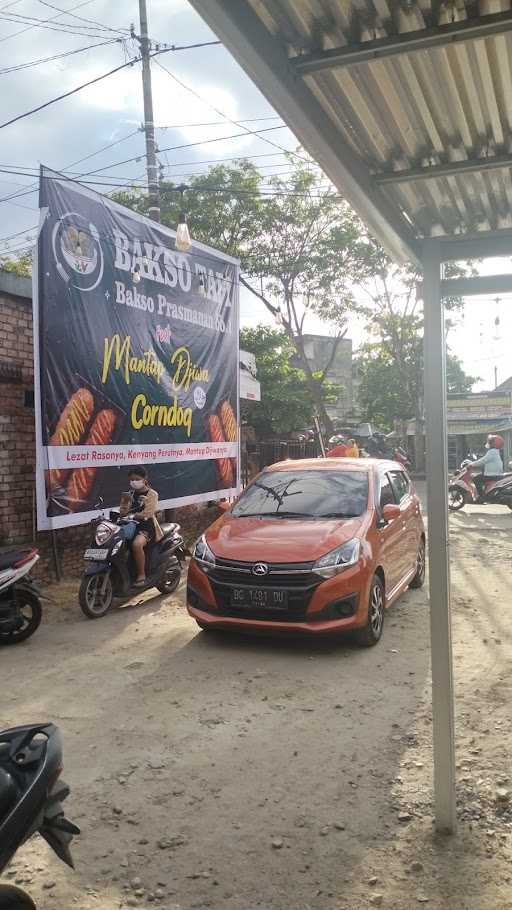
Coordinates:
286	401
21	265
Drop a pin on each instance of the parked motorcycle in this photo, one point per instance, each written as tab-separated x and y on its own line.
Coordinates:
31	797
20	598
110	570
462	489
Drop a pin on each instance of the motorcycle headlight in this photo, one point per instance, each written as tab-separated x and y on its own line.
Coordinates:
203	554
103	533
339	559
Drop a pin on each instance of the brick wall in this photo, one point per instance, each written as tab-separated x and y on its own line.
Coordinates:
17	445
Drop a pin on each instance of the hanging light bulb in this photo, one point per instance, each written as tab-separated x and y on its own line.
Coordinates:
136	274
202	287
183	239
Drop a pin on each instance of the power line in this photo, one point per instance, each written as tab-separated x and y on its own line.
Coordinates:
177	126
51	19
217	111
188	145
108	28
64	28
72	91
51	59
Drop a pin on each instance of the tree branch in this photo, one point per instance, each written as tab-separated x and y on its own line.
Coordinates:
332	355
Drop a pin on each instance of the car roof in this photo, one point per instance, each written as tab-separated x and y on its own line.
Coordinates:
336	464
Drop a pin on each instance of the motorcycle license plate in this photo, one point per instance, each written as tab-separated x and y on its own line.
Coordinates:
259	597
97	555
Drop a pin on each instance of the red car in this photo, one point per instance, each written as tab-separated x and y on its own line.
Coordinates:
316	546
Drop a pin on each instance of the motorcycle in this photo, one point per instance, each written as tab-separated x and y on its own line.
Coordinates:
462	489
403	458
110	569
20	598
31	797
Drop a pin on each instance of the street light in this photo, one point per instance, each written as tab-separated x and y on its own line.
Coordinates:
183	239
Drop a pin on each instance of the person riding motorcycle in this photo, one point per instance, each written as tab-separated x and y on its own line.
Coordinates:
352	449
491	462
338	447
142	503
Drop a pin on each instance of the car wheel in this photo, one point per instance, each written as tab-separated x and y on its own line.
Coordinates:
419	578
372	632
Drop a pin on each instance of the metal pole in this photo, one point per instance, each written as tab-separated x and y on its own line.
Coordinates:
149	126
439	565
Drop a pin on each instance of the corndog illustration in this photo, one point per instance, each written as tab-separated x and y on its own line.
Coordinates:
70	428
81	481
228	421
224	467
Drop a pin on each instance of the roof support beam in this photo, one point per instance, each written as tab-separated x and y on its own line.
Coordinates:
439	542
405	43
450	169
264	59
478	246
472	287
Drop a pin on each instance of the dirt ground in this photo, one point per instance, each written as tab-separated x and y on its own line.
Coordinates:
246	774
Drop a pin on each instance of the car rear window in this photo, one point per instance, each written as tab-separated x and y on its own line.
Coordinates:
305	494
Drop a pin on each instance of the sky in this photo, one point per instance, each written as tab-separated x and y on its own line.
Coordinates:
69	135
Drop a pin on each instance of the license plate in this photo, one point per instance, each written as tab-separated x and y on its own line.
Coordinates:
259	597
98	555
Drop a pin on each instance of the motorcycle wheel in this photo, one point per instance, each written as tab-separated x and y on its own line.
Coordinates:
170	580
95	601
30	609
12	898
456	499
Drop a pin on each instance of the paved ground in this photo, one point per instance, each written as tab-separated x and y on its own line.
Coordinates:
240	774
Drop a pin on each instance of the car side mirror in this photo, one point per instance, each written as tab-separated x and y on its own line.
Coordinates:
223	505
390	512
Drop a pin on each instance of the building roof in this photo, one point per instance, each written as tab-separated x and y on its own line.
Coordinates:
504	386
406	105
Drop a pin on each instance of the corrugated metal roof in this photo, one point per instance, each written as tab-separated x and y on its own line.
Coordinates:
413	109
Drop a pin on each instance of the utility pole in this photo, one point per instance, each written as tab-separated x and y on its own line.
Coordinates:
149	125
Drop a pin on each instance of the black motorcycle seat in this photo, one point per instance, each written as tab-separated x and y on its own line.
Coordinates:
169	529
14	554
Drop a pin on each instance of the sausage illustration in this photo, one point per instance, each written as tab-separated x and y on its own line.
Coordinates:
224	466
228	421
82	479
71	425
74	419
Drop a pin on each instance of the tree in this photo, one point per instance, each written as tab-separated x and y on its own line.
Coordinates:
286	401
391	367
388	391
295	237
21	265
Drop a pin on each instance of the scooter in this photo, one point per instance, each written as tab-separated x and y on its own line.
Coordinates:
462	489
31	797
110	569
20	597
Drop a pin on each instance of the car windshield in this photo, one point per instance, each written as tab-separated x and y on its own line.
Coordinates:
305	494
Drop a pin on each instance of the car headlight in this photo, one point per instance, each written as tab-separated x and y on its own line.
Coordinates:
203	554
339	559
103	533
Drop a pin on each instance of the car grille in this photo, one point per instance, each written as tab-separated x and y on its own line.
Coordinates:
297	579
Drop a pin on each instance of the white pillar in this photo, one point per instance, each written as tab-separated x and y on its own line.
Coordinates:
438	542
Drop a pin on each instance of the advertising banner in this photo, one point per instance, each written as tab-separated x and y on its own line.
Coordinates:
136	359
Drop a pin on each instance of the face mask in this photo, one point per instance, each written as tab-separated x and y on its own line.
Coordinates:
137	484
